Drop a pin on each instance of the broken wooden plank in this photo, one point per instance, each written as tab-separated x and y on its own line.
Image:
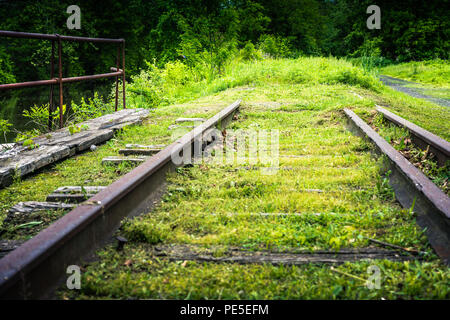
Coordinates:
74	194
175	126
30	161
22	209
289	214
189	120
143	152
286	257
6	146
27	207
140	146
6	246
115	160
17	160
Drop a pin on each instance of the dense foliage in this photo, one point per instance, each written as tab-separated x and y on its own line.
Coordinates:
178	47
209	32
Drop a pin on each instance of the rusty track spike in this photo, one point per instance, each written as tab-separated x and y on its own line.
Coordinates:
35	268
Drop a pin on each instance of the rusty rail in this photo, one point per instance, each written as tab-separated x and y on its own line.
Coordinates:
60	80
421	137
412	189
36	268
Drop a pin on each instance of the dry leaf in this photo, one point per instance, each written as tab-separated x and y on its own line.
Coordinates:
128	263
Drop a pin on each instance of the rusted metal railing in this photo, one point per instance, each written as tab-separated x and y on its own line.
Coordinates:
117	72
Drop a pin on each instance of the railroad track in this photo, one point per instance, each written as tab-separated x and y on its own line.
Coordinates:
227	213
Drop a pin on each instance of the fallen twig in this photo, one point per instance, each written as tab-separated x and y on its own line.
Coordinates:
347	274
413	251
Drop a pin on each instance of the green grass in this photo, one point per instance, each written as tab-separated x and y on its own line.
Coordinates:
425	114
157	87
145	277
213	204
327	73
209	204
400	139
84	169
433	72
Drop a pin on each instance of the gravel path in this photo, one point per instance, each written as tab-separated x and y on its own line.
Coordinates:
400	85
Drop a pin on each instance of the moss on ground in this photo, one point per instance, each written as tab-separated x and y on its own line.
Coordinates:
133	273
209	204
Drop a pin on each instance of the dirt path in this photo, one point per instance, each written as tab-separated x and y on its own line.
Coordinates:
405	87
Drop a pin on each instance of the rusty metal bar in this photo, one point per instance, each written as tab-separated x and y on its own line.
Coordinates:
60	83
42	36
123	74
56	80
92	77
421	137
60	80
27	35
412	187
28	84
117	78
52	74
35	268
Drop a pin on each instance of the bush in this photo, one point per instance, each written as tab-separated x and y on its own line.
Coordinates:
176	73
145	89
39	116
275	46
6	70
4	127
249	52
92	108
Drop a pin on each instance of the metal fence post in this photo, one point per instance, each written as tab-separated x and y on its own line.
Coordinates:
52	75
60	82
123	72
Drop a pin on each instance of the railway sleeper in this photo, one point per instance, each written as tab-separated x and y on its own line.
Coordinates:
140	146
142	152
285	257
116	160
189	120
23	209
74	194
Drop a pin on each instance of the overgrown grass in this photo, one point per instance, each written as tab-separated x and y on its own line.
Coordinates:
84	170
425	114
134	273
210	204
176	83
400	139
433	72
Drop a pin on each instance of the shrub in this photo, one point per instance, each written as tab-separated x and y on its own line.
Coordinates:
176	73
92	108
275	46
249	52
39	116
145	89
4	127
